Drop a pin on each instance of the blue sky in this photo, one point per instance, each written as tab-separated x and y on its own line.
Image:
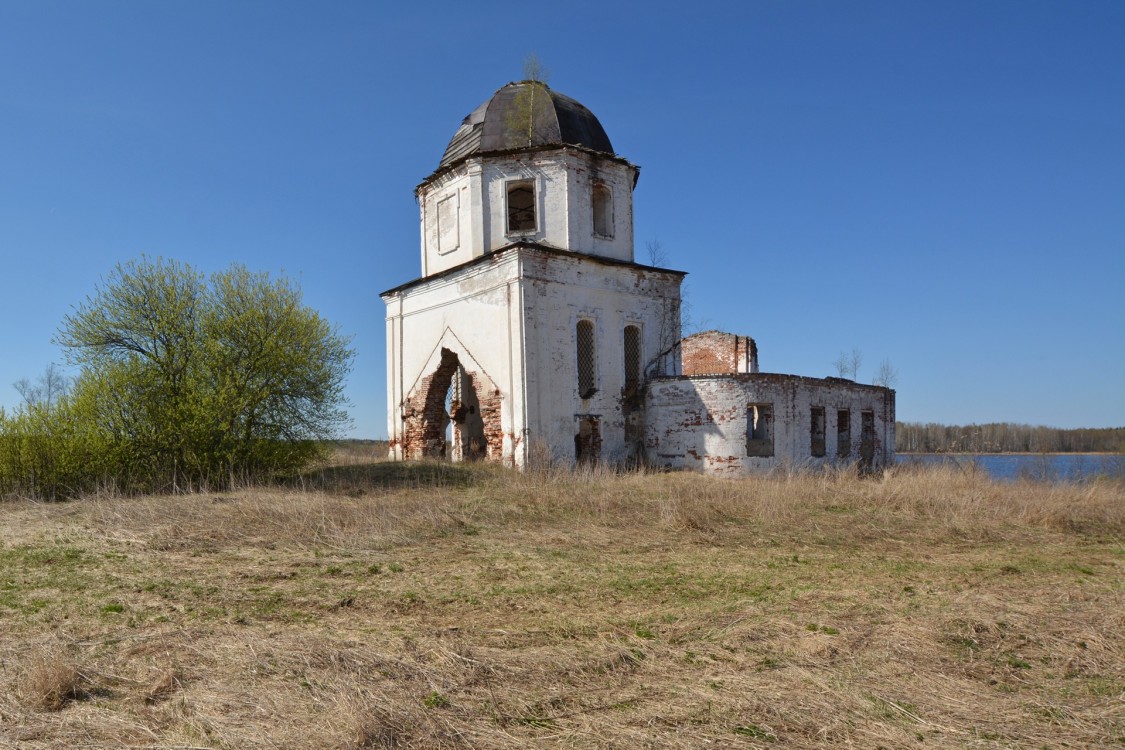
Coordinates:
937	184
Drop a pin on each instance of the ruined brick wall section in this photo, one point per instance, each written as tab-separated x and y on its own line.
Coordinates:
424	414
490	413
701	422
718	353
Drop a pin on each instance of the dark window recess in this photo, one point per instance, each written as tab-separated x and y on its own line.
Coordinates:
817	430
632	359
584	334
843	433
521	208
759	430
588	441
867	441
603	211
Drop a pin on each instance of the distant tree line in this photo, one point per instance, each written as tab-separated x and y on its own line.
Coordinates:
1005	437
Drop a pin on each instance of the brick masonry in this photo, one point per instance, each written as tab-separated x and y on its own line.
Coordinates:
703	422
718	353
425	415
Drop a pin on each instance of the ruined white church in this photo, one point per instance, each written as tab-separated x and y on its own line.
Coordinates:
532	329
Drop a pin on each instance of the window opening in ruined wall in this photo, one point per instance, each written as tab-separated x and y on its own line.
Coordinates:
632	345
521	207
843	433
867	441
759	430
603	210
587	358
817	428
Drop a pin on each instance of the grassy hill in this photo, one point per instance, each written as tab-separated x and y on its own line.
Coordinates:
377	605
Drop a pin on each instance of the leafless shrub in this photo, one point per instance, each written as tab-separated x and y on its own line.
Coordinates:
50	681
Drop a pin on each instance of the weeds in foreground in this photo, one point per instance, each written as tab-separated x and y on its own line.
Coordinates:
427	607
50	681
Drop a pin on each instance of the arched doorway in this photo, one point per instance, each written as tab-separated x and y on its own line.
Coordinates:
446	419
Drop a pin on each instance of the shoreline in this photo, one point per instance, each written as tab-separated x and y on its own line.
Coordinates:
1008	453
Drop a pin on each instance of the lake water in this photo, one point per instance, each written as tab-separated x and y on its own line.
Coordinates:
1051	467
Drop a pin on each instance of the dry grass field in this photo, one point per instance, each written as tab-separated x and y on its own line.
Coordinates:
377	605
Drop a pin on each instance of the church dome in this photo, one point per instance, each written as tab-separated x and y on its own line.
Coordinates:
526	114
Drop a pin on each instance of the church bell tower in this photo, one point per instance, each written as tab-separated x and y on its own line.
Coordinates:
531	330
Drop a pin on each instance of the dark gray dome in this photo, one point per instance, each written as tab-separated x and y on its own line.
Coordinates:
525	115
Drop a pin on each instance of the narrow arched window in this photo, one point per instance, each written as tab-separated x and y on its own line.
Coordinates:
587	358
632	351
521	207
603	210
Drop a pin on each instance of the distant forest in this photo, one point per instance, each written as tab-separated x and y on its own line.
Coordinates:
1004	437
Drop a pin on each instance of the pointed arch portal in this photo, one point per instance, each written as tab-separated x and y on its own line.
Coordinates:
454	414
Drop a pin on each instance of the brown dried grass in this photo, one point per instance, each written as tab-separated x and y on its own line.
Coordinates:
164	685
430	606
50	680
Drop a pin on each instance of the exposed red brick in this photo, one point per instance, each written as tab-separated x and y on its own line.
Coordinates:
718	353
425	417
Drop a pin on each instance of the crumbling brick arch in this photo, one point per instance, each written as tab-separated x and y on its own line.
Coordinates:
476	415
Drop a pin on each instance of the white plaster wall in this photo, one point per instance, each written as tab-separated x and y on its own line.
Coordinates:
515	316
564	181
442	247
700	422
584	171
475	313
559	291
546	173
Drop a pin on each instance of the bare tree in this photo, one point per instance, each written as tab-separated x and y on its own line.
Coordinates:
847	365
657	255
886	375
856	361
47	389
689	324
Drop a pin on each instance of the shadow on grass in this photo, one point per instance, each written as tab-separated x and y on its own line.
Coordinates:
355	479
